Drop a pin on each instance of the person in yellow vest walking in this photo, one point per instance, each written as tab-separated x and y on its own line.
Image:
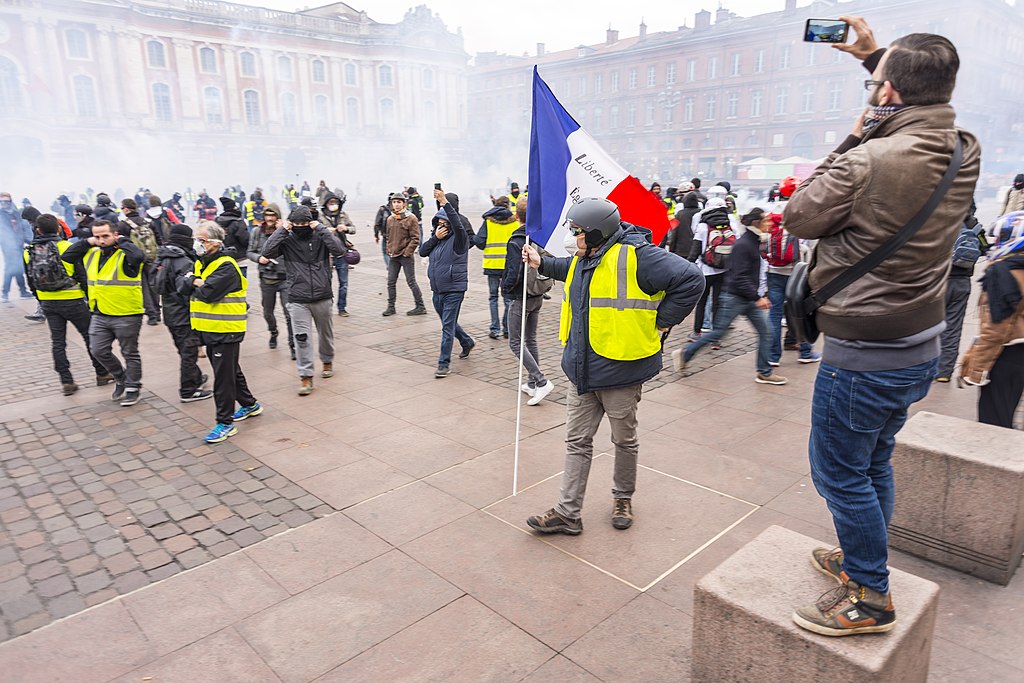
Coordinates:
57	286
621	293
498	226
217	311
113	268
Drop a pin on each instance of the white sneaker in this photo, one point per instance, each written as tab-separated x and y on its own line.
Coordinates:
526	389
774	363
540	393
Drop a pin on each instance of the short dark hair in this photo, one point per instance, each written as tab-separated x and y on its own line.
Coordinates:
922	68
47	224
102	223
129	203
696	183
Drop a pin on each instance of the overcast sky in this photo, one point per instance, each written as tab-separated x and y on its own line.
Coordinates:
516	26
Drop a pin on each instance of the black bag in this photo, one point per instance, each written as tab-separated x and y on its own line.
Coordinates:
46	268
802	304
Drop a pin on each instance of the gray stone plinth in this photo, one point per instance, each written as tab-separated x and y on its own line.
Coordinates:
743	628
960	495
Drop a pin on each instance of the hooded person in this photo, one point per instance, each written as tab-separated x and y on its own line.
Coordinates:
498	225
176	259
62	207
1014	200
273	276
679	239
715	215
334	218
105	210
15	233
236	232
83	221
160	218
173	205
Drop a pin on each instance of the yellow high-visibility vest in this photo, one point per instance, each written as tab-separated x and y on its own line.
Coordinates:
250	210
74	291
497	243
512	200
623	318
224	316
111	290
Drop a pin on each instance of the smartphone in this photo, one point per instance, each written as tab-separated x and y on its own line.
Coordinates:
825	31
437	186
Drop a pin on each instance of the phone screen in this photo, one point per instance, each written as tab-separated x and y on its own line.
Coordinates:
825	31
437	186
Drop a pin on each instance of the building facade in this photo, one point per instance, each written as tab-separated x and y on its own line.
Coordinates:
702	100
184	89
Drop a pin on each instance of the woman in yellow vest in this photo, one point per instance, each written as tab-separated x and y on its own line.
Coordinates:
217	311
498	226
620	294
57	286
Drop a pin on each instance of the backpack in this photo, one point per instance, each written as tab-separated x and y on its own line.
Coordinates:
721	239
781	249
144	238
537	284
47	269
967	248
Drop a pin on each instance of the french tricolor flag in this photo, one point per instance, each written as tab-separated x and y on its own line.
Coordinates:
566	165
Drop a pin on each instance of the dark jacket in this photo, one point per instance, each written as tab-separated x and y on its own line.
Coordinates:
307	262
79	270
105	212
679	238
83	230
744	275
15	233
447	268
236	232
512	277
173	261
380	223
339	220
133	256
657	270
130	219
453	199
270	273
216	286
498	214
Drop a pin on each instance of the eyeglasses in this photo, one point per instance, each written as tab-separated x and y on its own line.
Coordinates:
574	230
868	85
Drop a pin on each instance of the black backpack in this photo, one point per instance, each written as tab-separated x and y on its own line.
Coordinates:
47	269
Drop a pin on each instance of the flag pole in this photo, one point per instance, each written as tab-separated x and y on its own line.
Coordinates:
519	381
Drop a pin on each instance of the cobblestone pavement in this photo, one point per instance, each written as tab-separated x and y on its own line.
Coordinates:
33	341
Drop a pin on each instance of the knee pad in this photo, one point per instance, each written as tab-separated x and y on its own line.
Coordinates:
302	338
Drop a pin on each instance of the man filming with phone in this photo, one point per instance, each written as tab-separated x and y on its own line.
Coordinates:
904	173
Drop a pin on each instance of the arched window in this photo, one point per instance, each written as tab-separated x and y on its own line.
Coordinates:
319	71
352	112
77	44
207	60
251	102
155	54
289	110
213	106
385	77
322	111
284	68
387	113
247	63
162	102
350	74
10	87
428	79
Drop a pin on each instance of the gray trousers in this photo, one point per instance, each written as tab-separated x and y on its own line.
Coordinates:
103	330
304	316
583	417
531	356
408	264
958	291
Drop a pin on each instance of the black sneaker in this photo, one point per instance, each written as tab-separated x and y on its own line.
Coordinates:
419	310
551	522
466	350
197	395
118	391
273	341
442	371
153	322
131	397
390	310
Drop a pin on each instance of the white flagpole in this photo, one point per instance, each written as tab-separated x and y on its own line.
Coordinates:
519	381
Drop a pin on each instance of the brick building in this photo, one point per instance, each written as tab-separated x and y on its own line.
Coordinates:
701	100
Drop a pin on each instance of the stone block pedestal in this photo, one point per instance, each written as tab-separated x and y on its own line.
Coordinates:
743	628
960	495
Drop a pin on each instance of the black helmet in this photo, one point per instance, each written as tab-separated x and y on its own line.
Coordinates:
597	215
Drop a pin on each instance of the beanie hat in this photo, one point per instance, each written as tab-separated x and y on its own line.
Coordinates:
300	214
84	209
181	229
30	213
307	201
103	199
272	208
228	203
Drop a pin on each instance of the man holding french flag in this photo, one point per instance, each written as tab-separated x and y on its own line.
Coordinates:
621	293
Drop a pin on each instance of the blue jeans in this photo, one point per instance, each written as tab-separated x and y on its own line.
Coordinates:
777	295
341	268
447	305
854	420
494	284
384	252
731	308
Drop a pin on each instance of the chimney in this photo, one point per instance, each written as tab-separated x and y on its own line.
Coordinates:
702	19
611	37
790	5
722	15
540	49
643	30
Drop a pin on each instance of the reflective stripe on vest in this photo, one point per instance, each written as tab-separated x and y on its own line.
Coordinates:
69	294
622	317
111	290
224	316
496	248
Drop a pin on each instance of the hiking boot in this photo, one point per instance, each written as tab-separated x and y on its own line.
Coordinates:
466	350
419	310
118	392
828	561
220	432
622	513
551	522
104	380
770	379
247	412
847	610
197	395
131	397
69	388
273	340
540	392
390	310
328	370
442	371
307	386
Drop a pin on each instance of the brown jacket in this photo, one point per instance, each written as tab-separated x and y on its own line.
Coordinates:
403	235
1014	201
992	337
857	199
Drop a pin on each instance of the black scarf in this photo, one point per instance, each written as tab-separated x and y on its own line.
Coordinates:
1004	295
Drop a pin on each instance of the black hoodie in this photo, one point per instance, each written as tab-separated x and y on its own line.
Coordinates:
236	232
174	260
336	219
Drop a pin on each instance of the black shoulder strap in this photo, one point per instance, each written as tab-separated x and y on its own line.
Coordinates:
894	243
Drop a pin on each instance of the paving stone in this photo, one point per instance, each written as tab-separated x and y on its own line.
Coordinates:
224	548
154	559
44	570
193	558
120	563
95	581
179	544
247	537
163	572
83	565
151	519
231	525
54	586
162	531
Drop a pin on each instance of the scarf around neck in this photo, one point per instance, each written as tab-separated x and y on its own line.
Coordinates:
879	113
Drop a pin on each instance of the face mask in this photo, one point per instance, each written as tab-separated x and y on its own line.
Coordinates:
199	247
333	207
304	232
